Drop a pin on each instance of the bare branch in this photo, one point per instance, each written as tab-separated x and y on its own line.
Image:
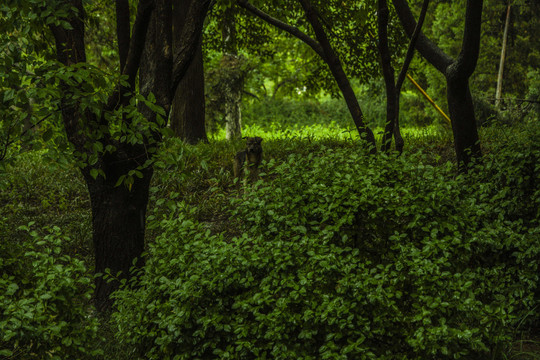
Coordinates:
412	45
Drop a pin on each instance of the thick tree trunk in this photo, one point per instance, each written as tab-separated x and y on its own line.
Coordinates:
464	128
119	212
118	221
188	109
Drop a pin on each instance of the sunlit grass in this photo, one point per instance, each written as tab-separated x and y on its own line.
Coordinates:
275	131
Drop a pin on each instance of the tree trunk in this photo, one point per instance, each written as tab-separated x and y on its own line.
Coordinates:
119	212
233	111
388	75
457	73
188	109
118	222
464	128
498	92
235	79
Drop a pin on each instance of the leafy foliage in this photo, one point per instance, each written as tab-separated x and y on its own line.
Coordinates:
44	297
342	255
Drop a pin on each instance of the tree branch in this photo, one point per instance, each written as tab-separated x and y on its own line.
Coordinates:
135	50
470	47
138	39
425	46
122	30
283	26
412	45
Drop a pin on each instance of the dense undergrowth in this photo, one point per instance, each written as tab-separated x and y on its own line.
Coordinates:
333	254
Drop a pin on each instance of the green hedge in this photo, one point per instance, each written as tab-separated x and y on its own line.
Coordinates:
340	255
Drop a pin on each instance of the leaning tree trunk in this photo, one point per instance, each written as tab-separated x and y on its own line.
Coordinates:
498	92
324	49
188	109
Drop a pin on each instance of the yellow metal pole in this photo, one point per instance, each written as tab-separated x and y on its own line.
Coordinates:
439	110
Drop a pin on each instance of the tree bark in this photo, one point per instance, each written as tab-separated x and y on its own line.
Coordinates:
188	110
457	73
388	75
233	96
118	222
119	212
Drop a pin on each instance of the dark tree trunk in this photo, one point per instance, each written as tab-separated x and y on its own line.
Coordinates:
188	109
464	128
457	73
119	212
388	75
118	222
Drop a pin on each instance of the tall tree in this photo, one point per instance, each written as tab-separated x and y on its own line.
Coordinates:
188	111
118	211
457	72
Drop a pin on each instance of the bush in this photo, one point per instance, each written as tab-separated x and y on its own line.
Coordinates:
346	256
44	297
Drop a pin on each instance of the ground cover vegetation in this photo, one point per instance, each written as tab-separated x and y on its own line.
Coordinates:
124	234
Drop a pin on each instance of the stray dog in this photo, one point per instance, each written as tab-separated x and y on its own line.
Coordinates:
251	156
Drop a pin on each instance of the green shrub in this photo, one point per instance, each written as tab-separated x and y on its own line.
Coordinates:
346	256
44	302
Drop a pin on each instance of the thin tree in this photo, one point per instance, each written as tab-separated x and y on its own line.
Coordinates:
498	92
393	90
457	72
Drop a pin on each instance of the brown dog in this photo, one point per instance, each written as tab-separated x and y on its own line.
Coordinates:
251	156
